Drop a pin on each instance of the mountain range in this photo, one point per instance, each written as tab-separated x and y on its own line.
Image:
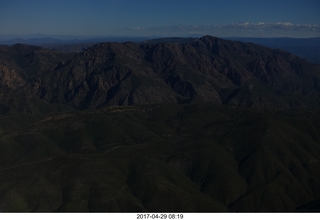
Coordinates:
306	48
206	70
196	125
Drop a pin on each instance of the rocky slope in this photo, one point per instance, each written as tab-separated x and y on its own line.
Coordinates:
209	69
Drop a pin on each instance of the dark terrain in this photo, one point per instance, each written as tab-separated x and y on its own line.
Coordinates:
203	125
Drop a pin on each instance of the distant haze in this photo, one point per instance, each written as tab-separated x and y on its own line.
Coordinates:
247	18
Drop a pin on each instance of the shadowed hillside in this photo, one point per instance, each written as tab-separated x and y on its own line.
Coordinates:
209	69
206	126
166	157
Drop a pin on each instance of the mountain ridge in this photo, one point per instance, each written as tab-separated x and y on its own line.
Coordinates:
209	69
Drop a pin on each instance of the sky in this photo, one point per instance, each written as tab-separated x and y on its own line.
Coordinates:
297	18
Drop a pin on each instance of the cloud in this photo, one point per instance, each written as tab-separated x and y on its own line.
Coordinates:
242	29
278	29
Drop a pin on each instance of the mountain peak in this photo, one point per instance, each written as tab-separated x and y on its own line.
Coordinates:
209	69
